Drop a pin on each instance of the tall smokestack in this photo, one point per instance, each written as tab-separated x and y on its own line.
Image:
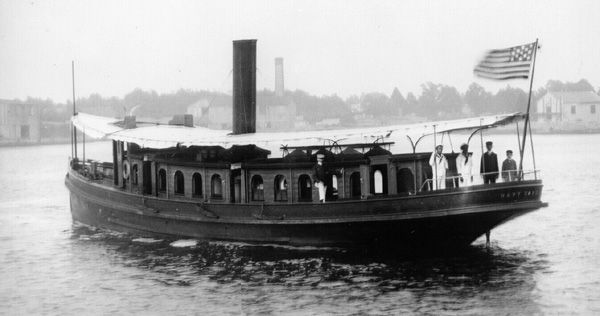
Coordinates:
279	88
244	86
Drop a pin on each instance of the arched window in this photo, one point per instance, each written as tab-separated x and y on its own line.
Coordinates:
216	186
258	192
162	180
405	181
179	183
304	188
134	174
355	184
332	191
280	188
378	182
196	184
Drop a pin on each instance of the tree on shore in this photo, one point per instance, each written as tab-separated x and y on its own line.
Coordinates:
436	101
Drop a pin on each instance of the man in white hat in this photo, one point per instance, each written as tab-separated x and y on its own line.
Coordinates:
320	176
464	166
439	165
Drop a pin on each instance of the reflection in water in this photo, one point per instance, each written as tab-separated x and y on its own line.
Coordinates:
472	272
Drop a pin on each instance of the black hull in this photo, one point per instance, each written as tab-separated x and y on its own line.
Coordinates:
453	217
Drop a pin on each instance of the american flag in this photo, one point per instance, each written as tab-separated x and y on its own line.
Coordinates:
508	63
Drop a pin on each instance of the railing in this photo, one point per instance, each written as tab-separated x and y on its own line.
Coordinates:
92	169
478	179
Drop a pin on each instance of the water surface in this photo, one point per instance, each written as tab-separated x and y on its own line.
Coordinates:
544	263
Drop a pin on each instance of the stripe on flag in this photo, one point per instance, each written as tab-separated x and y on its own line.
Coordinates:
509	63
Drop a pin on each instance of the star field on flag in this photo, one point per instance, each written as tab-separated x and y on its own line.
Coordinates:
509	63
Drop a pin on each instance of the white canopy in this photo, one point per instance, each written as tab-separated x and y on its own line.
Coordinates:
165	136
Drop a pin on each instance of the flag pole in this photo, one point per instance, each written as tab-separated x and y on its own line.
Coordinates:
527	114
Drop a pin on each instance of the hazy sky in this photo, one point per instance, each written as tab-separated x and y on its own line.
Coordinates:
329	47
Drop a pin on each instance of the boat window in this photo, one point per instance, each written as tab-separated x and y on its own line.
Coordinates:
280	188
179	183
378	178
197	184
405	181
258	192
355	184
332	190
216	186
162	180
237	189
134	174
304	188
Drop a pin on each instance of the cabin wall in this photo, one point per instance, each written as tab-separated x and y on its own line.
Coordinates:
268	176
132	186
292	177
188	173
406	182
153	174
365	180
399	176
344	187
392	183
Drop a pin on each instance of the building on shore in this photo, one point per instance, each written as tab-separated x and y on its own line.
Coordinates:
275	111
569	110
19	123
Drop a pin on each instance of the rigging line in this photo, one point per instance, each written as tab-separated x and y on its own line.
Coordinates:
220	88
532	152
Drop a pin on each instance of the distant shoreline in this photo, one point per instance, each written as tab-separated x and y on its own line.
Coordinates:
54	141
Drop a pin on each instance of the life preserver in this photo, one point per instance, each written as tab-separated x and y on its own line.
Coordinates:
125	169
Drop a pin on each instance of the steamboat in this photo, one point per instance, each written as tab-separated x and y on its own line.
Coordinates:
183	181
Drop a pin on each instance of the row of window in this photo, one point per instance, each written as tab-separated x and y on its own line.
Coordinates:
216	185
592	109
573	109
280	185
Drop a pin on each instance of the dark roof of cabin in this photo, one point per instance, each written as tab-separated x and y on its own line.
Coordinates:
329	156
350	153
297	155
377	151
239	153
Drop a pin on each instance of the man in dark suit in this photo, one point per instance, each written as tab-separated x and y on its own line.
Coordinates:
489	165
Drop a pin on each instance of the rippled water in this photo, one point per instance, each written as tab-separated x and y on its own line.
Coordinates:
544	263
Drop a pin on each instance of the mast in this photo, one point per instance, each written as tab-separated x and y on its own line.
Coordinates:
527	114
435	184
74	112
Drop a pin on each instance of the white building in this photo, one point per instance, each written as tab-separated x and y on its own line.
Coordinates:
581	107
20	123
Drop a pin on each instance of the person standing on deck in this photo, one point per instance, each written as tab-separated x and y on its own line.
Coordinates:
509	168
439	165
489	165
320	176
464	166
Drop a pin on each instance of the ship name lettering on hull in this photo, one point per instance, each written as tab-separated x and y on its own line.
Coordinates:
518	194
